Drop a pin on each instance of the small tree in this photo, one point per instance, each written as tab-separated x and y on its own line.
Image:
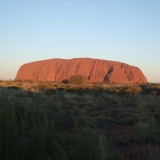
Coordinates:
134	90
154	93
77	79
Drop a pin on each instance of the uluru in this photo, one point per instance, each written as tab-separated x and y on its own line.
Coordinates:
94	70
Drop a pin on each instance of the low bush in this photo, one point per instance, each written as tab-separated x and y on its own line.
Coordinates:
77	79
134	90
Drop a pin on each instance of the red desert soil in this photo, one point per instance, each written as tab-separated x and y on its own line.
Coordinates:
95	70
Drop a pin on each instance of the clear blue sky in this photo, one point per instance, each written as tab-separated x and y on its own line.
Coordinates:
120	30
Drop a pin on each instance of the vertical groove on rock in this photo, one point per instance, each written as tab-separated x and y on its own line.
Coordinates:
58	71
106	78
77	69
89	77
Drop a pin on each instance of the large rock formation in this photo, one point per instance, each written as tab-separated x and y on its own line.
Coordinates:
95	70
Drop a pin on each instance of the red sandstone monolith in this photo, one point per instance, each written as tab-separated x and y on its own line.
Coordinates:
95	70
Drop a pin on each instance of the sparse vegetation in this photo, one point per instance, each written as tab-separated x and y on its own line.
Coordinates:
46	120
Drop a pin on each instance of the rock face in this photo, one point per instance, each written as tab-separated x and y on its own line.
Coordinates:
95	70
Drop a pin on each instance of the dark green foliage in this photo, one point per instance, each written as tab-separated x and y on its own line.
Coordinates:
78	124
43	141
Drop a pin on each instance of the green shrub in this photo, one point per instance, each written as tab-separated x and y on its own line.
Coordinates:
134	90
154	93
77	79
